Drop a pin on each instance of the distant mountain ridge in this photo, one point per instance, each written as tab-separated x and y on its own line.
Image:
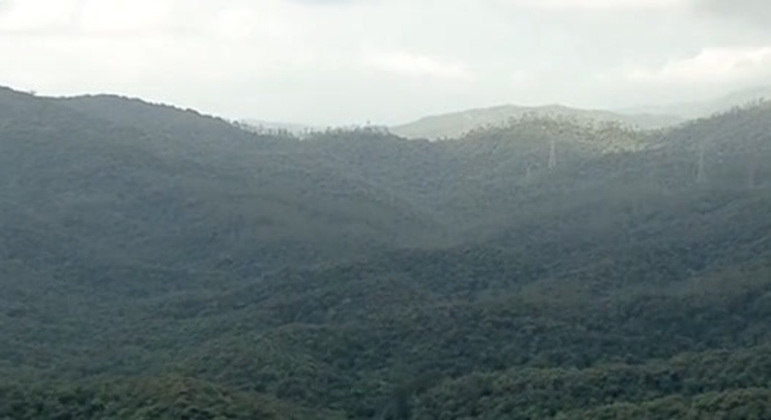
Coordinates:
160	263
701	109
456	124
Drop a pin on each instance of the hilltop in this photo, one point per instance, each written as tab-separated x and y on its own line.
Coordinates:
459	123
157	262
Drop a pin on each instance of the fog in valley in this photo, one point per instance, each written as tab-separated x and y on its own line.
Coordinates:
360	209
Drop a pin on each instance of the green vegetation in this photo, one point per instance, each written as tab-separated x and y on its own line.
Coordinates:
156	398
157	263
459	123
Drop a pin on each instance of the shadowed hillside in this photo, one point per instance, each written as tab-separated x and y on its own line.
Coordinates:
158	263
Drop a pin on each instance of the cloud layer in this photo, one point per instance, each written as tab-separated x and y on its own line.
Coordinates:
388	61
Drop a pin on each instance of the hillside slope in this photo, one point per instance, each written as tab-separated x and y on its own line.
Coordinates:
127	182
456	124
157	262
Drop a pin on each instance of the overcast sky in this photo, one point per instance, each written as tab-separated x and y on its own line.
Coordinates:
385	61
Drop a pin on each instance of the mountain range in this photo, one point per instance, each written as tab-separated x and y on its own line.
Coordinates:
700	109
459	123
645	117
160	263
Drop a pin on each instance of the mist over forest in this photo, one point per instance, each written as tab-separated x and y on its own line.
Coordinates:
157	262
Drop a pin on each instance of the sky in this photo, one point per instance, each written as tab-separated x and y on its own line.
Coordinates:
341	62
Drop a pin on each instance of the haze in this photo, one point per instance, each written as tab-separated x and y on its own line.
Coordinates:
348	62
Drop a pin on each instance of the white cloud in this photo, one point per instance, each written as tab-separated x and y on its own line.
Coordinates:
124	15
598	5
712	65
520	77
344	61
235	24
415	65
33	15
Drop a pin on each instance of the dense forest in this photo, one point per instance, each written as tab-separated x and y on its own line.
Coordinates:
160	263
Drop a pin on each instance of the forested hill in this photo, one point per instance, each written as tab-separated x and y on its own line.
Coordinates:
456	124
140	184
158	263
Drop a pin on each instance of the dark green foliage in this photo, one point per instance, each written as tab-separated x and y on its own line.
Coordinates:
155	262
170	397
540	393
